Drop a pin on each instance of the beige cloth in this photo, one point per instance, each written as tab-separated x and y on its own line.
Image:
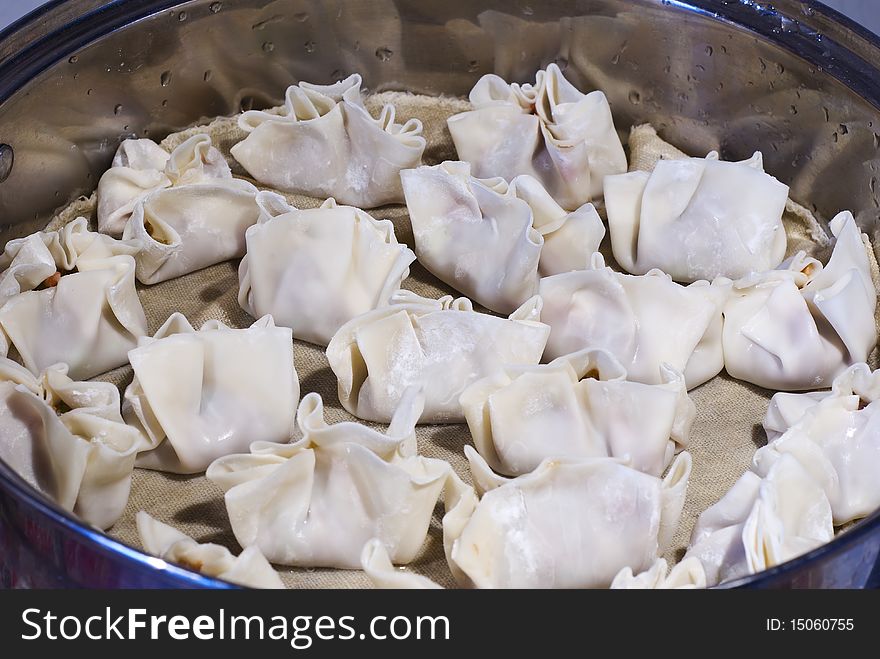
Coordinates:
726	433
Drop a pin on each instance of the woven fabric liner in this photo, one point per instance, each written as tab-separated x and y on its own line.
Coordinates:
726	433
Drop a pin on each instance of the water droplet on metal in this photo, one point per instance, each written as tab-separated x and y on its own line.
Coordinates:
310	46
384	53
793	109
709	51
215	7
165	103
7	159
844	129
165	78
88	92
181	16
117	109
208	75
779	68
268	46
73	59
634	97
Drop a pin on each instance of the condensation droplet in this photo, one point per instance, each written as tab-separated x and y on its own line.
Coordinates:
208	75
616	58
7	159
473	65
165	103
825	112
779	68
165	78
181	16
73	59
763	64
835	136
384	53
117	109
792	109
268	46
843	129
634	97
310	46
709	51
215	7
88	92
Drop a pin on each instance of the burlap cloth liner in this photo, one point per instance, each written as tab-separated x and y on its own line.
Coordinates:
725	435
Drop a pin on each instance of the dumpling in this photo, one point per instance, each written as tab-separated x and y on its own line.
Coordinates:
249	569
685	575
643	321
68	440
762	522
568	524
577	406
199	221
376	563
836	439
548	130
317	501
199	395
138	168
323	143
491	240
800	326
142	166
314	270
69	296
441	345
697	218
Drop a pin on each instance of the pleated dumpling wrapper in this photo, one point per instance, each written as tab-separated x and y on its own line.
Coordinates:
798	327
549	130
68	296
568	524
199	221
697	218
685	575
441	345
317	501
836	438
491	240
762	522
577	406
250	568
323	143
314	270
142	166
643	321
199	395
68	440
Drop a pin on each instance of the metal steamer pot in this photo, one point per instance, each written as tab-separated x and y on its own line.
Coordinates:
795	79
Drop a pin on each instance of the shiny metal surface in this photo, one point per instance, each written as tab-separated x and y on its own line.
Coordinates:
795	80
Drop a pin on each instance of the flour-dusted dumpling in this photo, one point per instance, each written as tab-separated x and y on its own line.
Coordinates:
314	270
697	218
317	501
568	524
250	568
138	168
577	406
69	296
199	395
68	440
643	321
491	240
798	327
548	130
441	345
141	167
199	221
323	143
686	575
761	523
836	439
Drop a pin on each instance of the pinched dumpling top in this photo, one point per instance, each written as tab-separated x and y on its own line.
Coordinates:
323	143
697	218
549	129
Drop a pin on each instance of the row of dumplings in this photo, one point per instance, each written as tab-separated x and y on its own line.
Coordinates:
617	342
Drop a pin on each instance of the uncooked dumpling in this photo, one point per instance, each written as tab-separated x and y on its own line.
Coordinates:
549	130
314	270
68	440
323	143
643	321
798	327
577	406
199	395
685	575
697	218
441	345
491	240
